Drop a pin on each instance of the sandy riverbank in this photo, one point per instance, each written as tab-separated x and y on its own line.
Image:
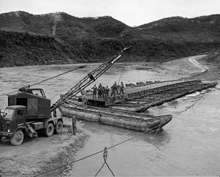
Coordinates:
38	155
194	67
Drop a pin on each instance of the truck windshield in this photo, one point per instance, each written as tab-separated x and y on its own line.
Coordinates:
8	114
38	92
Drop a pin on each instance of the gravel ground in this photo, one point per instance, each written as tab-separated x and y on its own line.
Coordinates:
38	155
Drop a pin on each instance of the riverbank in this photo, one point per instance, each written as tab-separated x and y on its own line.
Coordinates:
39	155
194	67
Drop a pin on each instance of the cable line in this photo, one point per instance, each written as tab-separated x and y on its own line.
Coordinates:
83	66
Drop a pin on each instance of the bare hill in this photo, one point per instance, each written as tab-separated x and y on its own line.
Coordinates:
65	38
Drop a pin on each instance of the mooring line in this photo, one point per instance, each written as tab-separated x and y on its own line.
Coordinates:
105	155
98	152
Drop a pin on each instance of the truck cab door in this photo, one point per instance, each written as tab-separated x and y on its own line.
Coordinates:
18	120
1	121
20	117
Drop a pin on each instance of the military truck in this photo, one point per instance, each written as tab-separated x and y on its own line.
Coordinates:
28	113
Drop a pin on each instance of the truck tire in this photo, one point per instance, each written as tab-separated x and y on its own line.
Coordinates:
18	138
59	127
49	130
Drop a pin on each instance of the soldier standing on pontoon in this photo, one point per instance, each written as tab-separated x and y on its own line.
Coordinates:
94	92
100	91
84	100
112	91
106	91
116	88
122	88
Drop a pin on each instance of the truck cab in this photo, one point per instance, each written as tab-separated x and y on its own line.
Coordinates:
11	120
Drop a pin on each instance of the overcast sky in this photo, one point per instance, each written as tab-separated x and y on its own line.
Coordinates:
130	12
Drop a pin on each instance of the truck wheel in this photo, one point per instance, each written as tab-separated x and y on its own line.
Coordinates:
59	127
18	138
49	130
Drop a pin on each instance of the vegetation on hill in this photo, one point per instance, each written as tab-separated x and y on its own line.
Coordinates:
27	39
17	49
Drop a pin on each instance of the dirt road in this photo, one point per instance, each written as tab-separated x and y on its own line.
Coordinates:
193	60
186	67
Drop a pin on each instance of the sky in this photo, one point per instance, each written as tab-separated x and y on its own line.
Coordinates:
130	12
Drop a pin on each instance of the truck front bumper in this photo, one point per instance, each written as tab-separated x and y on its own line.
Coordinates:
6	134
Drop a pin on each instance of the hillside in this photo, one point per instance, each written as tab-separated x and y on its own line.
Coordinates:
200	29
214	57
62	38
17	49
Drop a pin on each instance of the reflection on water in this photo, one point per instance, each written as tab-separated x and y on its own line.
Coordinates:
189	145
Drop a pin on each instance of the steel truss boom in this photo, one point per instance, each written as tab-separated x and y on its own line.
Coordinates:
87	80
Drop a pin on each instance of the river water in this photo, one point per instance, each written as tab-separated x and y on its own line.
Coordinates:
188	145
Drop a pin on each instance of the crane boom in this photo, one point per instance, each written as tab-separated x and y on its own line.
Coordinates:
87	80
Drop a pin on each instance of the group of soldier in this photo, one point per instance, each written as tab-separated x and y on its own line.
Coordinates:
104	92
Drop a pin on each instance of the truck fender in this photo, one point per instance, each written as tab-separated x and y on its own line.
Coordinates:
22	128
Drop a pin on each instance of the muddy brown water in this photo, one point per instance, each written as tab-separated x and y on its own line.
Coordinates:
188	145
